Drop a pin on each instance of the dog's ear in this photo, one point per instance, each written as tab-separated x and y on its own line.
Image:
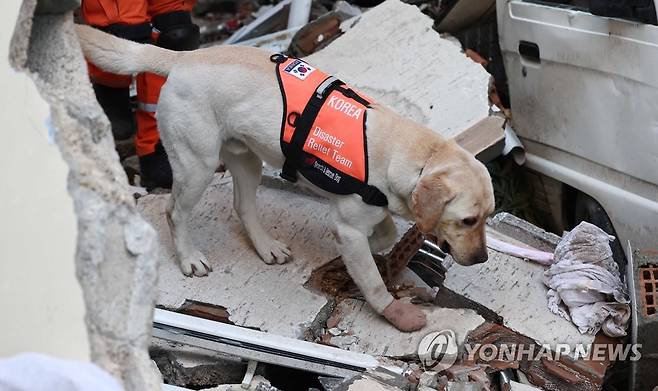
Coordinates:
428	200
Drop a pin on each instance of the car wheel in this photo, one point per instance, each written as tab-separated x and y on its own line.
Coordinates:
588	209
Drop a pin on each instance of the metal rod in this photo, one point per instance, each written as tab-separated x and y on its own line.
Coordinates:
434	247
300	10
429	254
259	346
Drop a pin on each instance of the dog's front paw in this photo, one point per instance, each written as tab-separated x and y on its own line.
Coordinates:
272	251
405	316
195	264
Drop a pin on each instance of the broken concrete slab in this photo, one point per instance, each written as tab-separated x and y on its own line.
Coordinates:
367	384
523	231
377	379
364	331
270	298
35	204
116	249
258	383
516	386
428	379
384	51
203	375
463	386
514	289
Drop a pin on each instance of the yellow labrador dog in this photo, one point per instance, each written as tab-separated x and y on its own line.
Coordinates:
224	102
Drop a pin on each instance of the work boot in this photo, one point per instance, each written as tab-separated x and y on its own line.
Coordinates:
155	169
116	105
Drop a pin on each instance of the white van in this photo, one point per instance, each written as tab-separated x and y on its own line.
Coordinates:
584	98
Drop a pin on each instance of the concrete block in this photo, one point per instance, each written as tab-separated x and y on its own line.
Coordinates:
523	231
514	289
116	250
270	298
428	379
370	385
378	379
516	386
38	225
392	54
377	337
460	386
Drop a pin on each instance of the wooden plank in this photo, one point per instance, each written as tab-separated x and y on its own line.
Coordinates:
485	139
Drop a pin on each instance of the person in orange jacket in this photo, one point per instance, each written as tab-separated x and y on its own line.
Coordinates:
166	23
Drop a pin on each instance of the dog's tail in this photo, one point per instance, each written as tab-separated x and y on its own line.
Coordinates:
121	56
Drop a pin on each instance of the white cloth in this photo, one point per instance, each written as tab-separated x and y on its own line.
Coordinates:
541	257
584	283
38	372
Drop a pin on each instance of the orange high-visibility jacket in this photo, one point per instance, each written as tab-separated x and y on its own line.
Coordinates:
323	131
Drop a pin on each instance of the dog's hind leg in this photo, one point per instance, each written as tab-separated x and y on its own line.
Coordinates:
194	160
191	178
246	168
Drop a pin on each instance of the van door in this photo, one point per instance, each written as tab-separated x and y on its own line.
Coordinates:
584	84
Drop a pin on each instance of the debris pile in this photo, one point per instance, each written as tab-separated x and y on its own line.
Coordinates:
374	56
497	305
501	302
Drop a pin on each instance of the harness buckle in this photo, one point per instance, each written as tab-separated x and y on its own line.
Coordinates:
373	196
289	171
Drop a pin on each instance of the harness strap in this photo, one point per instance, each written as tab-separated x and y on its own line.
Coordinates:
350	93
371	195
303	125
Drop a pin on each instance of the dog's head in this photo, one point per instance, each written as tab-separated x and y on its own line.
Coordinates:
451	200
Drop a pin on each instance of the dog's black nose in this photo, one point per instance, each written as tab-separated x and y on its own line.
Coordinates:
481	257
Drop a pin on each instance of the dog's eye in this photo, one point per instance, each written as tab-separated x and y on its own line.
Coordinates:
469	221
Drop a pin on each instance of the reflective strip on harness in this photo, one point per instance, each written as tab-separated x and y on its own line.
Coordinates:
323	131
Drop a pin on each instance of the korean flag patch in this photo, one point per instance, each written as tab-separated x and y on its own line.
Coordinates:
299	69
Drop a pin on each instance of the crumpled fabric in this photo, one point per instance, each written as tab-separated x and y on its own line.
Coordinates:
38	372
584	284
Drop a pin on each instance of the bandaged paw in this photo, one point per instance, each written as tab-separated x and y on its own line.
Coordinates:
405	316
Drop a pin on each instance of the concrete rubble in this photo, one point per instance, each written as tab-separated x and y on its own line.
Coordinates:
116	249
278	299
364	331
125	260
391	67
267	297
378	379
503	297
274	298
514	289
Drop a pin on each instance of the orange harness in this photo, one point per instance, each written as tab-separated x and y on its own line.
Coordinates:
323	131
